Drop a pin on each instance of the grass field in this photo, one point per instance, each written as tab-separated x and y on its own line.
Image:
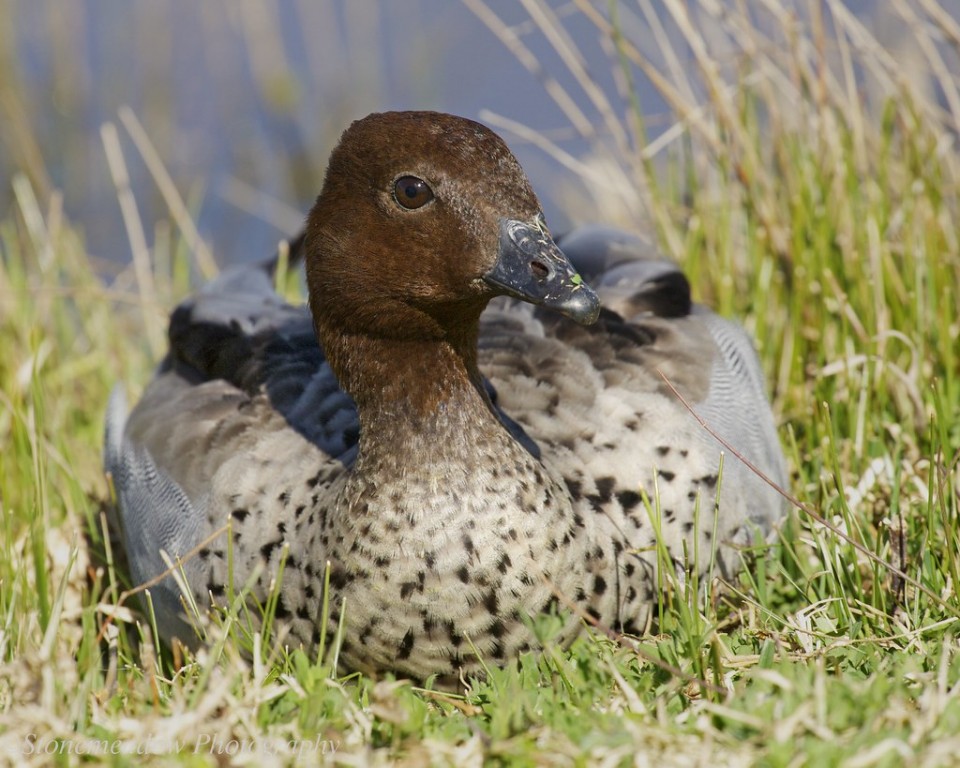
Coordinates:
811	187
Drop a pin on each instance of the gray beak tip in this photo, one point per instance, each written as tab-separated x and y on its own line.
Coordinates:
531	267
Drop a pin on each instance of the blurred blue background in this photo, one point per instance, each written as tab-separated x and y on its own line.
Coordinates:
243	99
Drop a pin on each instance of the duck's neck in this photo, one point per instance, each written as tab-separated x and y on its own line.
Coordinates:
419	401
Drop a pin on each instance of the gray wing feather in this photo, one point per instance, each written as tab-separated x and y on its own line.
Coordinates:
156	515
736	407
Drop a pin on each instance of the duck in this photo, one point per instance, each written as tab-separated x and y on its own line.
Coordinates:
469	424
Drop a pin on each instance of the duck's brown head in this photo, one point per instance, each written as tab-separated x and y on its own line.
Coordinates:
423	218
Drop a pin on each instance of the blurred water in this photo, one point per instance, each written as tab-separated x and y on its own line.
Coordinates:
244	98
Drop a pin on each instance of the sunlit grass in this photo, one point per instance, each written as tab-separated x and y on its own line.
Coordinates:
824	219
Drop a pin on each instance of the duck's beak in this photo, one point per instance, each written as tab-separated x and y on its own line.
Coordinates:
532	268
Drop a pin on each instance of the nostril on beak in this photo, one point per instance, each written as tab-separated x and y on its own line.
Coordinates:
539	269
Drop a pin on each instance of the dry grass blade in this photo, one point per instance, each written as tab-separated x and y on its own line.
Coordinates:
255	202
686	111
677	71
134	226
944	22
551	85
938	67
537	139
178	209
171	570
546	20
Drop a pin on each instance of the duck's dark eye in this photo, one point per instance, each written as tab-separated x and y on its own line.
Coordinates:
411	192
